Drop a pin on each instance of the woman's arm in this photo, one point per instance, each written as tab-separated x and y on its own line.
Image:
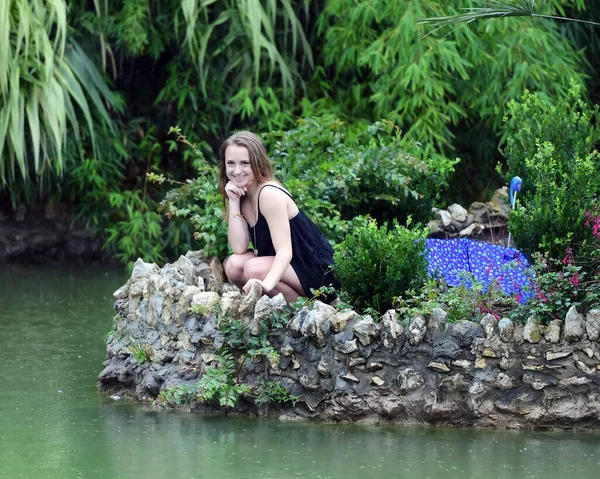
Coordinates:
237	229
273	206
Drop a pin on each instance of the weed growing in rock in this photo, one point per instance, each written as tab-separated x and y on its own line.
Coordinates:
139	352
113	333
202	309
274	392
467	301
220	383
268	352
178	395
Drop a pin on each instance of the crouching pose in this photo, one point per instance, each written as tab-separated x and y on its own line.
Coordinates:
291	255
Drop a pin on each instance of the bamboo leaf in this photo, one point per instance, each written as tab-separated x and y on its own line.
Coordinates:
33	120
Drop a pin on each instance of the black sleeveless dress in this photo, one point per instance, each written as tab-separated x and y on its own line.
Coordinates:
312	255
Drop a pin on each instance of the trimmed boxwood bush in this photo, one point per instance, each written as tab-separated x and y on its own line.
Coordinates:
376	264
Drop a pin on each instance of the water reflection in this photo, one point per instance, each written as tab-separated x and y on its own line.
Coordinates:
53	423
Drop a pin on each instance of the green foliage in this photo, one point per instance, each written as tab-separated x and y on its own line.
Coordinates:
136	228
333	176
274	392
245	38
46	84
178	395
114	331
197	200
570	124
374	265
202	309
337	172
140	352
469	301
218	384
441	86
550	147
559	285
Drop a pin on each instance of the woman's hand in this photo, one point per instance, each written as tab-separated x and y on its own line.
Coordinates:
235	192
248	286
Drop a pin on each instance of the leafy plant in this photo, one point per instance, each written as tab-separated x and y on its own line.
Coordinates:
374	265
339	173
46	84
274	392
219	384
114	331
443	87
202	309
552	217
181	394
559	285
140	352
199	201
470	300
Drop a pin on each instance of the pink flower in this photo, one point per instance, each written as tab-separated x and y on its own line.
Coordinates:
568	259
575	279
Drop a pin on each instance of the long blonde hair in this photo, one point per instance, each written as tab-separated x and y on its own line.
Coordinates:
259	161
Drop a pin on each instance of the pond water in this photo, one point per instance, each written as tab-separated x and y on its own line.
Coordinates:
54	424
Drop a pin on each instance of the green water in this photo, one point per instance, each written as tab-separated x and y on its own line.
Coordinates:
54	424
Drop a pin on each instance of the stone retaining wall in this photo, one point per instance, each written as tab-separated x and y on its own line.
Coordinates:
347	367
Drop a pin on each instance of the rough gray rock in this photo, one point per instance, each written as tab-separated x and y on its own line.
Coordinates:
249	301
464	332
392	332
366	330
531	332
552	333
186	267
417	330
438	321
506	329
206	299
458	213
445	217
446	347
467	375
264	310
317	323
573	325
143	269
340	320
592	324
489	323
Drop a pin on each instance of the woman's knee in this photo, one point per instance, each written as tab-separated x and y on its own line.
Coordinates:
234	266
256	268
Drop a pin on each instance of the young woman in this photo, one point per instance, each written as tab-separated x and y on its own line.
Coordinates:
290	254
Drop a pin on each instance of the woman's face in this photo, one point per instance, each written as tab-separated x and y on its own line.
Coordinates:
237	165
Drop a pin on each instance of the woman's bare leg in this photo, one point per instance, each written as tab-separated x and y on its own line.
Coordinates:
234	268
289	284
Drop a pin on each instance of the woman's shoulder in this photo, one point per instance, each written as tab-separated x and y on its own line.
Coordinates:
272	189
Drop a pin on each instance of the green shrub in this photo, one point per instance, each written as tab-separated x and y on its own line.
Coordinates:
552	217
571	125
550	147
375	265
338	171
559	285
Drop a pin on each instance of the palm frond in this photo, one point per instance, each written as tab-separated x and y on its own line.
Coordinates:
494	9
